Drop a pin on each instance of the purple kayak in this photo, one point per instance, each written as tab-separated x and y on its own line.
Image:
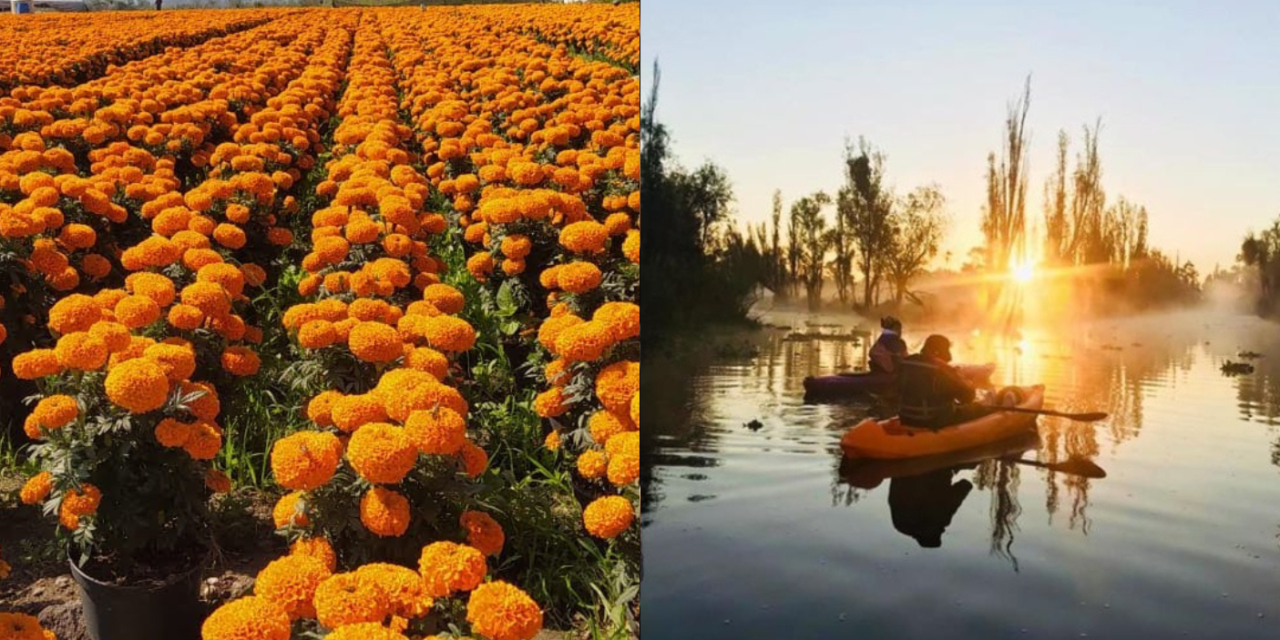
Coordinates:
841	386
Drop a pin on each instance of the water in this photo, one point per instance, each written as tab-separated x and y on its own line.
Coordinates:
753	533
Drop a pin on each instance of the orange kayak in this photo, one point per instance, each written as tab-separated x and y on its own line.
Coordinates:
889	439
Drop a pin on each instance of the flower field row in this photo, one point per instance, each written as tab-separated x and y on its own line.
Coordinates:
425	239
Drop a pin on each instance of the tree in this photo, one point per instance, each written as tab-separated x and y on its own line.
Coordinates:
866	206
918	225
1004	222
814	240
1055	204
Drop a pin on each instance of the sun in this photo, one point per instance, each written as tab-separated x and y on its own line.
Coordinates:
1023	273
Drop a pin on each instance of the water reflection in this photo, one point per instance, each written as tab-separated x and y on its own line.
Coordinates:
922	506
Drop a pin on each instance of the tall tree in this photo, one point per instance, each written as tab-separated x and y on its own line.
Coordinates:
866	206
815	241
917	224
1004	222
1055	208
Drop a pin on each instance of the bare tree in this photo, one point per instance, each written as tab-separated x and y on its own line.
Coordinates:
1004	223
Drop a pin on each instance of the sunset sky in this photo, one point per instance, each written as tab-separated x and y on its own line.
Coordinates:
1188	94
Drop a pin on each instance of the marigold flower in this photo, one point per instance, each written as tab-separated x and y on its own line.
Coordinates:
365	631
579	277
217	481
424	396
551	403
306	459
474	459
138	385
137	311
448	568
76	312
500	611
622	319
351	412
37	488
437	431
36	363
320	407
549	332
592	464
209	297
172	433
317	334
406	593
552	441
77	504
207	405
318	548
584	342
631	246
113	334
587	236
428	360
20	626
240	361
249	618
384	512
228	276
290	582
483	532
608	516
516	246
480	265
152	285
617	224
449	333
375	342
178	362
445	298
204	442
616	383
185	317
54	412
347	598
626	443
623	469
381	453
290	510
635	409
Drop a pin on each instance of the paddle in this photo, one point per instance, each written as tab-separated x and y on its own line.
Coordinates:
1082	417
1076	466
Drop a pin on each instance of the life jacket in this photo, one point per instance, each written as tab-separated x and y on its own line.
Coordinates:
889	345
924	400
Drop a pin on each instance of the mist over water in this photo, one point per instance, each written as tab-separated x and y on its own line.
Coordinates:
752	530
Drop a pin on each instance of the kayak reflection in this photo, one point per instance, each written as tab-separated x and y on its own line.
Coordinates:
922	506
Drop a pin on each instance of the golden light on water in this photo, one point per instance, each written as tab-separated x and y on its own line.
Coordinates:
1023	273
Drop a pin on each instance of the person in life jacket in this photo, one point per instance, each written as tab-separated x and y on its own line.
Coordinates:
932	393
889	350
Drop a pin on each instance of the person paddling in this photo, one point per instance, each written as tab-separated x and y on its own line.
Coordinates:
889	350
932	393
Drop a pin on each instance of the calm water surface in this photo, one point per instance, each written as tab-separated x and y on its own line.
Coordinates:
756	533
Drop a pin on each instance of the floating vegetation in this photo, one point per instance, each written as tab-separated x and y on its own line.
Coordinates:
1236	368
1249	355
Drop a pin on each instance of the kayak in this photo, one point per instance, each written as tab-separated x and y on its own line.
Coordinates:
845	385
889	439
869	473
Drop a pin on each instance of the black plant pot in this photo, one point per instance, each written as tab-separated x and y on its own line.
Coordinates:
170	610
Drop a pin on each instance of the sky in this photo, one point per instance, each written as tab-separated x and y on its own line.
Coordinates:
1188	94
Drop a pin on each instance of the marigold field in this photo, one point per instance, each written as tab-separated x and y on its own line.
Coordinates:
351	292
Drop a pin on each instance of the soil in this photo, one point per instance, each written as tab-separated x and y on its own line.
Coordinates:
41	584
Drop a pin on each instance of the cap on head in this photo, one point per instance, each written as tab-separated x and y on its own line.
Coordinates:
891	323
937	346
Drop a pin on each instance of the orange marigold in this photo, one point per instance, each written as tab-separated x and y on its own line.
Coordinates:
36	363
552	441
178	362
579	277
483	532
474	459
587	236
437	431
290	582
318	548
249	618
351	412
172	433
622	319
445	298
551	403
631	246
384	512
448	567
449	333
113	334
585	342
240	361
406	594
204	443
76	312
152	285
616	383
608	516
138	385
306	459
592	464
365	631
321	406
217	481
317	334
501	611
375	342
137	311
290	510
623	469
37	488
381	453
347	599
